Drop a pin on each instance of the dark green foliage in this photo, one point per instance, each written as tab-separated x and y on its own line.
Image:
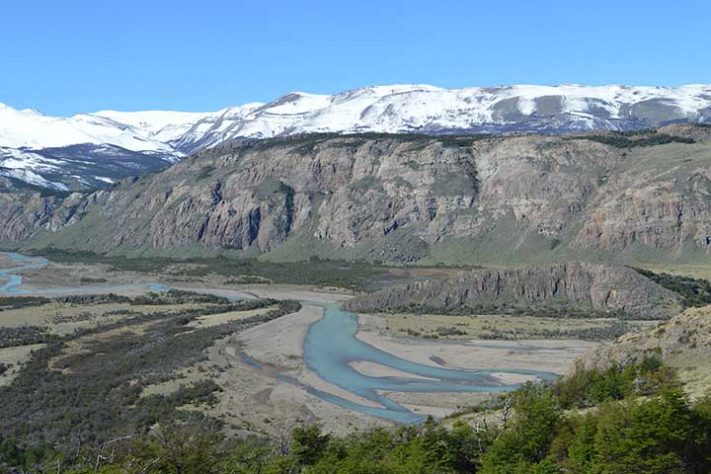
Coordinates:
92	281
344	274
642	138
146	265
585	388
23	335
92	299
15	302
644	425
449	331
308	444
314	271
178	449
660	434
527	438
429	449
694	291
22	459
182	297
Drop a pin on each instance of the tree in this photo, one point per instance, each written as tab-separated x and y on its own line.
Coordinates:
526	439
308	444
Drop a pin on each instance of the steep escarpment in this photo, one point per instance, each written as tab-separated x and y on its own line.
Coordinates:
254	196
400	198
587	287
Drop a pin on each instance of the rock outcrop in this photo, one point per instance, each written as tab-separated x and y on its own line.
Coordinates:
592	287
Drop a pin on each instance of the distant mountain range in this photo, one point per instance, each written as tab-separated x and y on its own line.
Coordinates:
93	150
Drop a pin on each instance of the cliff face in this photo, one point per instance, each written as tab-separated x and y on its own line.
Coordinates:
599	288
340	191
395	198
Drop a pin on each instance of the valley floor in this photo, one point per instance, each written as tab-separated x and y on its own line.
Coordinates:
267	388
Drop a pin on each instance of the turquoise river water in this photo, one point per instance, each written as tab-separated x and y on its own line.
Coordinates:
330	347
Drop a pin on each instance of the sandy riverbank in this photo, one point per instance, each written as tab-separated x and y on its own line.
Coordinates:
275	397
544	355
279	345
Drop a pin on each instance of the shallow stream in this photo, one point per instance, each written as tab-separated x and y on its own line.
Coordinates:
330	347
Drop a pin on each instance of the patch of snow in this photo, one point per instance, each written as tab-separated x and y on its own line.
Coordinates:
32	178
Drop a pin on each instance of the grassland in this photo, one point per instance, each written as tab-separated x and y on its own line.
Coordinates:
336	273
507	327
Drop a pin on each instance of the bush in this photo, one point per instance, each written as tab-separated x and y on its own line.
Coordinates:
589	387
694	291
643	138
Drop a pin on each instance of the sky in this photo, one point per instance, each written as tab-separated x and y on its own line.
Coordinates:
71	56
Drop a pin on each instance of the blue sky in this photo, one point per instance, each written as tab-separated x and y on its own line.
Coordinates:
64	57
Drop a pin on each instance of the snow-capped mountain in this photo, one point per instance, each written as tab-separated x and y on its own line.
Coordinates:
79	167
87	151
428	109
138	142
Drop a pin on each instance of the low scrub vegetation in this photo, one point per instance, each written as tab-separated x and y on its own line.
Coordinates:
694	291
613	330
23	335
85	389
547	310
637	139
336	273
16	302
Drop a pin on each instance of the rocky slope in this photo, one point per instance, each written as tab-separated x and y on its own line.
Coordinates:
581	287
684	342
400	199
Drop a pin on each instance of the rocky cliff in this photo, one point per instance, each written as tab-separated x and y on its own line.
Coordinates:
588	287
399	199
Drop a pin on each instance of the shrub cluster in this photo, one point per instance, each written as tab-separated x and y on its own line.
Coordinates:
66	399
694	291
637	139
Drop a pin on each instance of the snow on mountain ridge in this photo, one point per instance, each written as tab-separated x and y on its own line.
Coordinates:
386	108
30	129
88	149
